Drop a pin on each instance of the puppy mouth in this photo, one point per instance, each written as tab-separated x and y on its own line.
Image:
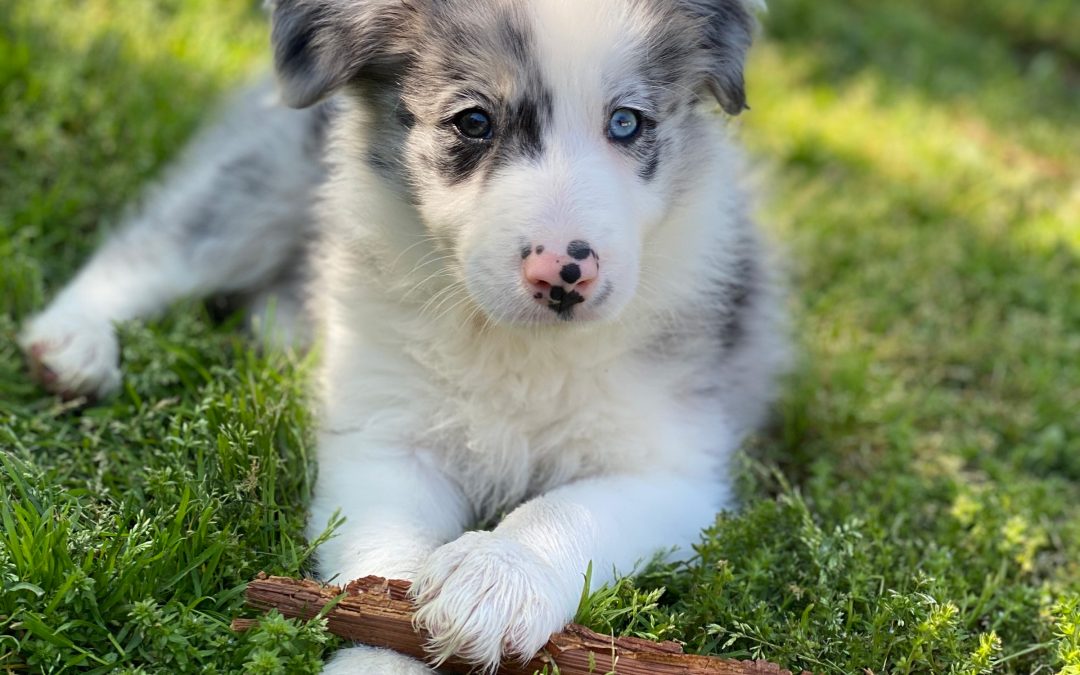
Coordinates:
562	302
570	306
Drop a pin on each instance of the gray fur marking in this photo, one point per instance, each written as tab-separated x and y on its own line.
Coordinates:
701	43
320	45
431	60
465	54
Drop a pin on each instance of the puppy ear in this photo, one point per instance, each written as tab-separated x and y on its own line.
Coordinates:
727	30
319	45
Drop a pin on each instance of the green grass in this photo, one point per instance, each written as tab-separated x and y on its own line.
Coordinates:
914	508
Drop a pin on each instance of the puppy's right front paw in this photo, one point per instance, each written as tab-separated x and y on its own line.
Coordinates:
362	660
72	354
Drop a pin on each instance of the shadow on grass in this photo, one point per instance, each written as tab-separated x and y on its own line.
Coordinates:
921	321
84	126
927	314
1026	70
956	328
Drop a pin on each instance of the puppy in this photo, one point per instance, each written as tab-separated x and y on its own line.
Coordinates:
540	295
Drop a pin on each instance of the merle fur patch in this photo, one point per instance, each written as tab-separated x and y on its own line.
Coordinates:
727	29
485	61
736	296
245	175
319	45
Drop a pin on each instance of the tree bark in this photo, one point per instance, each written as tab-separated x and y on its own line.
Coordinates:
378	612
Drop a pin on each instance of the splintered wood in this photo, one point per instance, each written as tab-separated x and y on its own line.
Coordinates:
378	612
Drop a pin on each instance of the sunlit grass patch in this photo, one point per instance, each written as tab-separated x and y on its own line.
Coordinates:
96	95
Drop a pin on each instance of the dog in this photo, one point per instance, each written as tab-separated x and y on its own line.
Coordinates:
521	230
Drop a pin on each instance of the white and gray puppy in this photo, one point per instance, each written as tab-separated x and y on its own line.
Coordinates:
538	289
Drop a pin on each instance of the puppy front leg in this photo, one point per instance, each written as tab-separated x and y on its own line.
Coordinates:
398	508
504	592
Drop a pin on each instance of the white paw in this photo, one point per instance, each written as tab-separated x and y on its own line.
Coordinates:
72	353
361	660
485	596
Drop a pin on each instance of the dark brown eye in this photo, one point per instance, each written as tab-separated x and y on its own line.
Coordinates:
474	123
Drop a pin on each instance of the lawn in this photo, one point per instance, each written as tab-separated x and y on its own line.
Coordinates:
915	507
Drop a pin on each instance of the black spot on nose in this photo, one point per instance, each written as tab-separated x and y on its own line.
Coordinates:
570	273
578	250
525	251
557	293
539	250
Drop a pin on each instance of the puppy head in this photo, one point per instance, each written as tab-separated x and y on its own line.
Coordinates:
541	140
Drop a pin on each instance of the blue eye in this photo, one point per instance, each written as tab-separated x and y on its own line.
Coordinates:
474	123
624	125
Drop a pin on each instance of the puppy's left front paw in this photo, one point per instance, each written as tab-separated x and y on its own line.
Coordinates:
484	596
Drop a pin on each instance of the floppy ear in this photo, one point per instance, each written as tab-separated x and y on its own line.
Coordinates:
319	45
728	29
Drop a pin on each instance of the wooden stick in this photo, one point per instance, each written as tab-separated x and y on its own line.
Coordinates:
378	612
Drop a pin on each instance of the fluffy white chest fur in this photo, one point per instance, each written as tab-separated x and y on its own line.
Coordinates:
509	413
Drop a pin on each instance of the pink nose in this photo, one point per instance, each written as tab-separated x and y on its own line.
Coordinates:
560	276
